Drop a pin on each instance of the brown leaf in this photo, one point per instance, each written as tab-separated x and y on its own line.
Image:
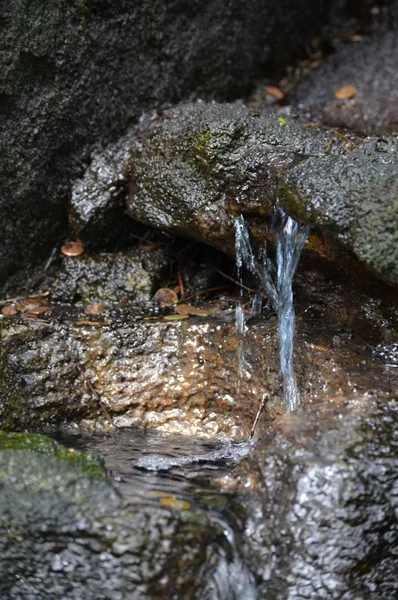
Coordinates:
274	91
175	317
72	248
147	247
9	310
165	297
187	309
345	92
37	310
86	322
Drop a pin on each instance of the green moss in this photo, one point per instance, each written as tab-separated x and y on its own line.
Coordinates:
40	444
200	145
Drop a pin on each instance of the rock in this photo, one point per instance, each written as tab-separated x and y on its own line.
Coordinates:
324	522
105	277
369	66
77	75
122	371
124	367
200	163
65	532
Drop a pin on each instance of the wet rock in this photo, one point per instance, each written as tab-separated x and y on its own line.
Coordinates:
202	162
66	532
96	213
120	371
195	376
132	276
187	163
324	522
369	66
77	75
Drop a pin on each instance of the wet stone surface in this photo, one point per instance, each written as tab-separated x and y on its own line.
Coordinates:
199	163
131	276
324	524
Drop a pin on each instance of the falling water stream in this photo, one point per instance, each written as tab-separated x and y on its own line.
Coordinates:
276	279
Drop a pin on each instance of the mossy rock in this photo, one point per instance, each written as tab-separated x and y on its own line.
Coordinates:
40	444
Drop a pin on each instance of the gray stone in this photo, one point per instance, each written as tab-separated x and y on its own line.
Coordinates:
200	163
78	74
326	523
133	276
369	66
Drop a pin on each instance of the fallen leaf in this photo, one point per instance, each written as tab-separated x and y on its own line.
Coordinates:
175	502
147	247
37	310
94	308
175	317
9	310
165	297
345	92
86	322
72	248
274	91
187	309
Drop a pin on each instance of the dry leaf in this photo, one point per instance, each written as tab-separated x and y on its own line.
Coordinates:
274	91
175	317
147	247
72	248
175	502
37	310
86	322
345	92
9	310
187	309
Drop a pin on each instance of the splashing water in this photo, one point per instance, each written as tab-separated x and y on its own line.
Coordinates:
276	280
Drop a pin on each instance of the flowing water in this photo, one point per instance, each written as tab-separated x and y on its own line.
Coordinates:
276	279
180	472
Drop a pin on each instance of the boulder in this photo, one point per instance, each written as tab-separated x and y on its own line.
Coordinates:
200	163
324	524
77	75
368	66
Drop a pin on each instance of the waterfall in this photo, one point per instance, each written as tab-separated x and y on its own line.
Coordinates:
276	277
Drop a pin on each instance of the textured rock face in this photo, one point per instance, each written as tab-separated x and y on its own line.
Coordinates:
327	525
370	67
178	377
307	512
202	162
78	73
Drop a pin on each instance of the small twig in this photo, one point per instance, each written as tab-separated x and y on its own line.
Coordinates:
259	411
181	284
16	299
98	397
241	285
51	258
213	289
